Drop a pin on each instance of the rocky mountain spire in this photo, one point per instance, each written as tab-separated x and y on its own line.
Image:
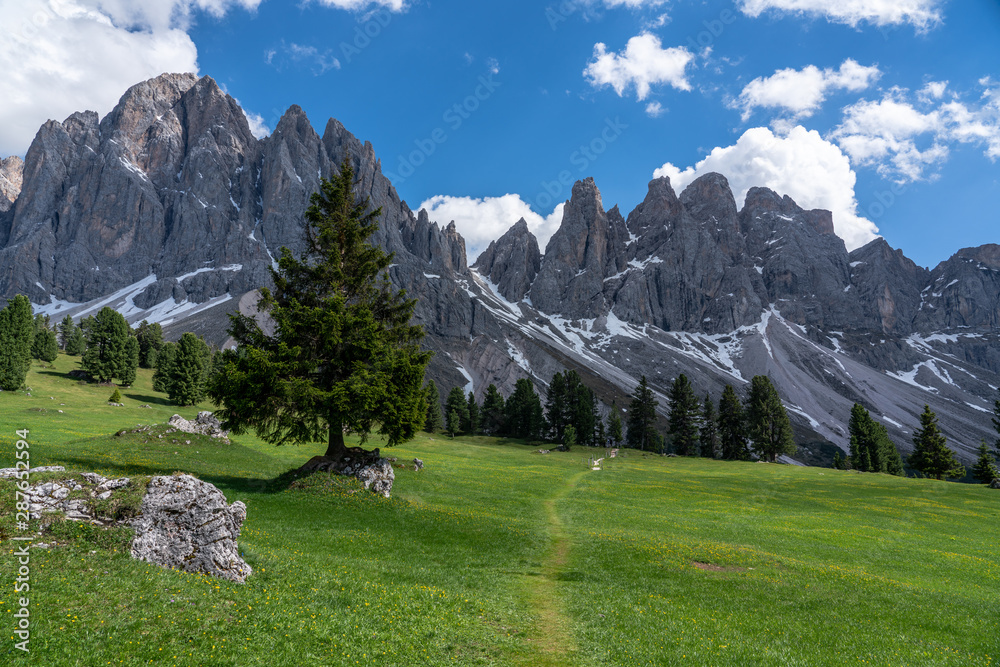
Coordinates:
511	262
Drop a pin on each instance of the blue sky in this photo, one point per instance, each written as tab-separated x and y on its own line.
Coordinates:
885	111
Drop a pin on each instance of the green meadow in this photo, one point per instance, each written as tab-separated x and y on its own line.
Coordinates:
497	555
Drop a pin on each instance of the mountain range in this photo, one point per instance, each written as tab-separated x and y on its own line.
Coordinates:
169	209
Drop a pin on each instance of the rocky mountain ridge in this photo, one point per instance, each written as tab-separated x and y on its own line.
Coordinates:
169	209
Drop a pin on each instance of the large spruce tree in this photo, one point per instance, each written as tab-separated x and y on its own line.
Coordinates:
685	416
107	340
642	417
474	415
17	333
131	362
557	413
150	337
615	426
767	421
343	356
186	382
732	426
931	455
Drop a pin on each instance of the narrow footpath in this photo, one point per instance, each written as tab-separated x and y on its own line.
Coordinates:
551	636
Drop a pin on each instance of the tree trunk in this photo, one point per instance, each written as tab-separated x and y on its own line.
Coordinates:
336	448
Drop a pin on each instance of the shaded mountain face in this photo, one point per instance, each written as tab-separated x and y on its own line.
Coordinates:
169	209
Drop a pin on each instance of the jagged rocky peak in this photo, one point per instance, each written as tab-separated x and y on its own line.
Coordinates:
588	246
661	206
887	284
988	255
963	291
511	262
710	199
11	174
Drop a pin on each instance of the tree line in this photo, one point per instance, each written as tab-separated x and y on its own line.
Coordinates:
110	351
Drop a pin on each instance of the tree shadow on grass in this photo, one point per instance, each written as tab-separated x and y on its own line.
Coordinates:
258	485
159	400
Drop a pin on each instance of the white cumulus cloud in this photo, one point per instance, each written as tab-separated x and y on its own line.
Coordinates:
643	63
803	165
356	5
922	14
802	92
906	138
480	221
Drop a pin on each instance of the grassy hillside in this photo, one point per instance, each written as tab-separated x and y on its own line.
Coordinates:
497	555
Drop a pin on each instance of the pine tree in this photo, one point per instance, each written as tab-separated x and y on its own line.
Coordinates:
838	462
615	426
45	346
492	412
76	343
732	426
931	455
164	367
708	435
17	332
523	412
454	423
985	471
642	417
66	329
473	409
569	437
456	401
116	396
150	337
685	414
185	385
556	407
343	356
432	422
601	435
582	408
768	425
131	363
107	336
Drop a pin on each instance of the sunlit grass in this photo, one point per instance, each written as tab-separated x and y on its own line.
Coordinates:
667	561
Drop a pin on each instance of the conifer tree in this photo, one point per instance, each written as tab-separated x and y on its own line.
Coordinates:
493	411
615	426
768	425
164	367
343	356
17	333
838	462
131	362
150	337
523	412
454	423
107	336
45	347
931	455
186	384
556	407
66	329
708	435
473	409
432	422
75	339
116	396
870	447
985	471
732	426
569	437
685	415
456	401
601	435
583	408
642	417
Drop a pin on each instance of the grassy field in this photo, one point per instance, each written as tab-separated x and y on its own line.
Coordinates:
498	555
